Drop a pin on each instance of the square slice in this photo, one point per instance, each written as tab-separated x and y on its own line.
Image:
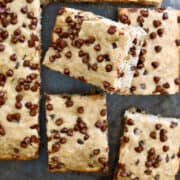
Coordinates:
94	49
19	79
158	68
77	133
150	147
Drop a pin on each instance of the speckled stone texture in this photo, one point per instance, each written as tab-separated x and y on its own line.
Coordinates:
55	83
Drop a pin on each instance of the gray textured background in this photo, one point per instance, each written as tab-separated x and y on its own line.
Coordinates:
54	83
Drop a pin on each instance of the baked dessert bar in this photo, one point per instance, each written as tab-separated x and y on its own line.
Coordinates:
77	133
94	49
150	147
144	2
158	68
19	79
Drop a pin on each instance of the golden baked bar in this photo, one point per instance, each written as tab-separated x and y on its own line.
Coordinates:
19	79
158	70
150	147
144	2
94	49
77	133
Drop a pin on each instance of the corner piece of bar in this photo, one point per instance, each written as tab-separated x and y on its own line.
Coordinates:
77	133
150	147
93	49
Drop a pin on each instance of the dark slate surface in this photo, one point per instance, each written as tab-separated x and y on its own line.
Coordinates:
54	83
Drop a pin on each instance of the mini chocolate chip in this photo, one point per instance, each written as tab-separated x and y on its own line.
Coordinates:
108	68
2	47
97	47
69	132
158	49
49	107
177	41
124	19
158	126
130	122
103	112
153	35
56	147
165	148
100	58
157	23
59	121
66	71
155	64
112	29
144	13
177	81
153	135
80	109
96	151
125	139
165	16
79	141
69	103
173	125
160	32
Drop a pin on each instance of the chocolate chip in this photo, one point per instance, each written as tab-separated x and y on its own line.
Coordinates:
139	149
111	30
80	109
109	68
100	58
155	64
124	19
153	135
106	84
157	23
2	131
166	85
56	147
125	139
156	79
96	152
130	122
153	35
2	47
177	81
165	148
177	41
144	13
158	126
68	54
59	121
49	107
163	136
158	49
165	16
173	125
69	103
94	67
97	47
66	71
79	141
160	32
103	112
69	132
